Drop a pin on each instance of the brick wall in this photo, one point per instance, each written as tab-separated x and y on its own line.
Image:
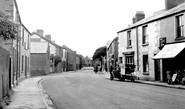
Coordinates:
4	72
38	64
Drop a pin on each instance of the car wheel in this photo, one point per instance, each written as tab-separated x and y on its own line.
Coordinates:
111	78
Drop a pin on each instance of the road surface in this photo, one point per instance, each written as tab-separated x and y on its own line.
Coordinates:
87	90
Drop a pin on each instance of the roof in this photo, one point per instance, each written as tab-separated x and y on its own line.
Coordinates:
25	28
16	6
38	47
112	42
49	41
157	16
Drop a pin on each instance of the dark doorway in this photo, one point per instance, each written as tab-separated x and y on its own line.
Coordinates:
168	64
3	86
157	70
26	66
10	74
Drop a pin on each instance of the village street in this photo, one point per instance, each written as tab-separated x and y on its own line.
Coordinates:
87	90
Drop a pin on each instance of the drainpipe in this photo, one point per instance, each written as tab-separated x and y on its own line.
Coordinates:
17	61
137	48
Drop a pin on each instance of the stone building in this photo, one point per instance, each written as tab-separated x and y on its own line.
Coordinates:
145	38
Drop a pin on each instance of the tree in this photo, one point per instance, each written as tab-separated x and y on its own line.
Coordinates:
8	29
100	52
56	59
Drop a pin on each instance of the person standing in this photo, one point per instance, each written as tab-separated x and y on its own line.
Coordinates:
169	79
111	71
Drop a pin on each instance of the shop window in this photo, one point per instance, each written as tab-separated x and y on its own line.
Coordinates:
129	41
130	60
145	35
145	63
129	66
179	26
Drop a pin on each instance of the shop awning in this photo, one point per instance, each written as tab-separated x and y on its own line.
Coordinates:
170	51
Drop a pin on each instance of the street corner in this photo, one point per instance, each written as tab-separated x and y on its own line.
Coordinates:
47	100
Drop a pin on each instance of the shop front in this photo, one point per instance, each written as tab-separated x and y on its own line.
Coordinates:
172	57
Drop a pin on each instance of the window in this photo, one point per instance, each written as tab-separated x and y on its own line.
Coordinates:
64	54
129	42
23	36
145	35
120	60
180	26
145	63
28	46
130	60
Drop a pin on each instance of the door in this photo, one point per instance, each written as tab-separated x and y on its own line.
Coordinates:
10	76
26	66
157	69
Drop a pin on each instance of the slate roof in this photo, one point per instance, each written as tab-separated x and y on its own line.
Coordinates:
38	47
157	16
49	41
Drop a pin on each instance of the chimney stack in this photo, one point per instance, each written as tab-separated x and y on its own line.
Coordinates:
40	32
139	16
133	20
172	3
48	37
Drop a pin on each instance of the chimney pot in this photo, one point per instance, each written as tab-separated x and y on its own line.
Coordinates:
48	37
172	3
138	16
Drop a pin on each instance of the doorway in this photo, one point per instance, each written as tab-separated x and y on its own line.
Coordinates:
157	70
10	74
26	66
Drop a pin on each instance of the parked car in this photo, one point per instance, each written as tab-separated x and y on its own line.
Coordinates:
129	74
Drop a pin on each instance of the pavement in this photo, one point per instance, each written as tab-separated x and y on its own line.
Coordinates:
156	83
29	94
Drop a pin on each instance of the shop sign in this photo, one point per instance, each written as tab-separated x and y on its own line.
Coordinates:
162	42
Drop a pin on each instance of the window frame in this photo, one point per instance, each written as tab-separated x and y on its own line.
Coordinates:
23	36
145	35
129	59
129	39
145	63
179	26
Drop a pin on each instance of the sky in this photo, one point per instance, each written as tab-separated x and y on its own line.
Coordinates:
83	25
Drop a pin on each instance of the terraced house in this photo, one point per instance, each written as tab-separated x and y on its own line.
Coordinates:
18	49
54	49
155	44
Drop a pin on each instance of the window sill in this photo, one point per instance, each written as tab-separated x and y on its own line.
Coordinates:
146	73
145	44
129	47
180	38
